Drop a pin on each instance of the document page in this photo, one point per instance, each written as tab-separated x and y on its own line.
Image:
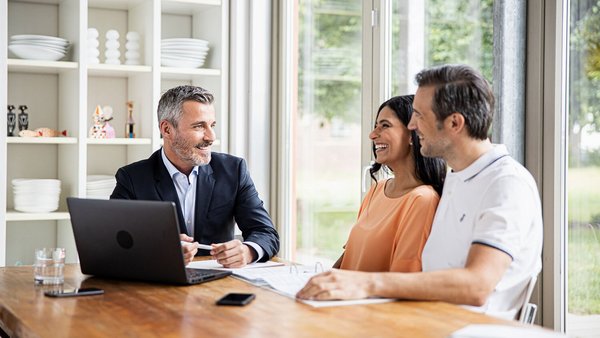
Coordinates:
286	280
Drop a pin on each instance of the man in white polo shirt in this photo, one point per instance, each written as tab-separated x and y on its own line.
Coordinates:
489	220
486	239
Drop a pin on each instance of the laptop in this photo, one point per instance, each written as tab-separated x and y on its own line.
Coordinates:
132	239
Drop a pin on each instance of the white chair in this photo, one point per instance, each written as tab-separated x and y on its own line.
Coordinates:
528	310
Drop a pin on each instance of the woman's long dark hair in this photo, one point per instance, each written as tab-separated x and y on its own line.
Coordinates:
429	170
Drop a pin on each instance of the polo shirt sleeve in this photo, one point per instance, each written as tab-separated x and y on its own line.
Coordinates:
506	210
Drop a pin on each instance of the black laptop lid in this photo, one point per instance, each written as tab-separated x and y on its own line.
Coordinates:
128	239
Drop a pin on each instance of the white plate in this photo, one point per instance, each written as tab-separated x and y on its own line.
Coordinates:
42	43
200	48
38	37
183	52
50	48
179	46
36	209
53	49
183	58
185	40
177	63
36	53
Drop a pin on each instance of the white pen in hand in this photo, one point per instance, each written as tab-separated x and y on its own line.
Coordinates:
200	246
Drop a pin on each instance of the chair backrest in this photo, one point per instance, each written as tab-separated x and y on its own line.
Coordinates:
528	310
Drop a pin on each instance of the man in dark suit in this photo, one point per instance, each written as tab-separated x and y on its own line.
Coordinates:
212	191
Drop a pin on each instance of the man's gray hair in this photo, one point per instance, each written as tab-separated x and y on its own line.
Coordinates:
170	106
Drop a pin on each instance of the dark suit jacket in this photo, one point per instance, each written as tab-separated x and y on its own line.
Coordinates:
225	194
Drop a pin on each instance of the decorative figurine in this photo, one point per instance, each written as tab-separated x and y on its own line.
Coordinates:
101	127
23	118
108	115
11	120
129	131
42	132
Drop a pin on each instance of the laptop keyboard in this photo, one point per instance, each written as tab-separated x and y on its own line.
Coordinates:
201	275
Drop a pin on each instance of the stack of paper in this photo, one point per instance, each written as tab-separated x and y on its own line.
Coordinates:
286	280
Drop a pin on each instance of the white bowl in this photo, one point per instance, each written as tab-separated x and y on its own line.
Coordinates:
36	52
35	182
36	208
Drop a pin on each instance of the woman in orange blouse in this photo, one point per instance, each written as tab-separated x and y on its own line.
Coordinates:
395	217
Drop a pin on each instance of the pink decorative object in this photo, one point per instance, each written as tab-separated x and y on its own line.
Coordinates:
101	128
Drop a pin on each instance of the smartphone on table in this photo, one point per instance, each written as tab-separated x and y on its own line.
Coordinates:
239	299
74	292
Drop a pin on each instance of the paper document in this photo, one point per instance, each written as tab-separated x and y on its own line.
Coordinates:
212	264
288	280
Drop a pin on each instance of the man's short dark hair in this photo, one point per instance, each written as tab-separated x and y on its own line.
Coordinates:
460	89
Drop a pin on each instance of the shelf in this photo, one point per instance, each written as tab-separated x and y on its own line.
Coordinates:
173	73
12	216
38	66
119	141
41	140
117	70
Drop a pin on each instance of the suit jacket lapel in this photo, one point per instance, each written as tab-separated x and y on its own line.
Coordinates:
166	189
204	192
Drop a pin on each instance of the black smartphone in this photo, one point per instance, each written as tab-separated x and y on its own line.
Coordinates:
239	299
74	292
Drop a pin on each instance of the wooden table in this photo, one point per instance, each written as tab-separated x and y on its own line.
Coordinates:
136	309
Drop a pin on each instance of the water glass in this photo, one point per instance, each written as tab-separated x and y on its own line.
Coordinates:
49	266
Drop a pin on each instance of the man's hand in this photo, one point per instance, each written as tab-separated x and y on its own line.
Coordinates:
232	254
188	247
338	284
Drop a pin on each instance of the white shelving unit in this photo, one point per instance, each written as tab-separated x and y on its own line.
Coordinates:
63	95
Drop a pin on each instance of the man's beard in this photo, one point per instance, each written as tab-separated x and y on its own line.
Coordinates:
186	151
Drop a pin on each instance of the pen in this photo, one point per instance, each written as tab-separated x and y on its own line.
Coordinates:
200	246
204	246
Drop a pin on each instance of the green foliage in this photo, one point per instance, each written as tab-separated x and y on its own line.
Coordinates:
583	195
458	31
584	82
461	31
330	60
586	39
584	270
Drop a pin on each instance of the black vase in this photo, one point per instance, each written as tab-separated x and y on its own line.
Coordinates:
23	118
11	120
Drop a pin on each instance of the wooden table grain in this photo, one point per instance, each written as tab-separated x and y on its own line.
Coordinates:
137	309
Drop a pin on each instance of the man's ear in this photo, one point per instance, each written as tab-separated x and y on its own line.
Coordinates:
456	122
165	128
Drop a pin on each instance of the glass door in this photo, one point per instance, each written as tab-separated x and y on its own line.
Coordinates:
347	57
583	170
327	135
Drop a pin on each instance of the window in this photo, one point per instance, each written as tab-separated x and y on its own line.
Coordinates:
583	170
326	139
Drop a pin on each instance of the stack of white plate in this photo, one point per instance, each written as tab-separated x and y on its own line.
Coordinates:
38	47
100	186
36	195
183	52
